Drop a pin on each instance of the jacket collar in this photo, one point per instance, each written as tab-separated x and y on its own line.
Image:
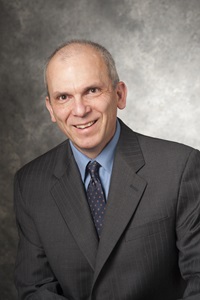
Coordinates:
126	190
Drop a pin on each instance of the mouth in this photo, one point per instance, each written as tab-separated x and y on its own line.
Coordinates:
83	126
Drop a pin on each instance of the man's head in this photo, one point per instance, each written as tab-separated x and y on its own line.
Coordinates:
73	44
84	93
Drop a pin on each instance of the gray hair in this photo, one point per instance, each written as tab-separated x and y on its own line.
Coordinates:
105	54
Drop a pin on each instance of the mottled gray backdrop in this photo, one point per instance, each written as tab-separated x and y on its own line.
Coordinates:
156	45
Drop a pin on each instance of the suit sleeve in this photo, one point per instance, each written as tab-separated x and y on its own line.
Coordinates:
188	226
34	278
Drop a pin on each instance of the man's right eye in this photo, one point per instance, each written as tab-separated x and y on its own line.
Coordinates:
62	97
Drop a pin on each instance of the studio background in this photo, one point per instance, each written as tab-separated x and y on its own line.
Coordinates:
156	46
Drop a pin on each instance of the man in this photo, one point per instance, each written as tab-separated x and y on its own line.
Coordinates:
109	214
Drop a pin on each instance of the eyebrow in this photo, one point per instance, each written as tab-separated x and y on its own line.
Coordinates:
85	89
95	85
57	93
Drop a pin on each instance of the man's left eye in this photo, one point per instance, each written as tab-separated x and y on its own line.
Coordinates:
93	90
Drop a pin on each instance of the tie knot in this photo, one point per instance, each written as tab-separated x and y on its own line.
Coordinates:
93	169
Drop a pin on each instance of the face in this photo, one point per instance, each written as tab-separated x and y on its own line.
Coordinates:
82	100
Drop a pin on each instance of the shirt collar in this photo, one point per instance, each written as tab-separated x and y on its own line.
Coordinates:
105	158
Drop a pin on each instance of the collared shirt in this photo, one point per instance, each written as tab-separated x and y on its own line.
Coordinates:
105	159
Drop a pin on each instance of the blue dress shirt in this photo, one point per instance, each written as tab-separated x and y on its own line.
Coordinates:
105	159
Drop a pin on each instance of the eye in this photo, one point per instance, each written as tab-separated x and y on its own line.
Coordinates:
62	97
93	90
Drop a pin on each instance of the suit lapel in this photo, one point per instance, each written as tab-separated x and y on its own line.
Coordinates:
126	190
69	195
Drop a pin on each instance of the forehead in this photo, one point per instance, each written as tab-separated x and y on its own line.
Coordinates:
79	59
76	70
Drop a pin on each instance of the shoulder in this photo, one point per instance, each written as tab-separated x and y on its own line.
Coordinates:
44	164
153	145
157	149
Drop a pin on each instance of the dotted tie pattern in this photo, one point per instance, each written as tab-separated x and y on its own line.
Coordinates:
95	196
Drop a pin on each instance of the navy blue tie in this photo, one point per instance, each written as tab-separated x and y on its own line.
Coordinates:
95	196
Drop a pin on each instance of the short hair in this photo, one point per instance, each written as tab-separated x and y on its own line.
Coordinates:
105	54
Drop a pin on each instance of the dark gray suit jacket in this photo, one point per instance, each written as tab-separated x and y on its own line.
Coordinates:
150	244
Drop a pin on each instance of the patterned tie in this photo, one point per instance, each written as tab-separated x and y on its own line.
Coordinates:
95	196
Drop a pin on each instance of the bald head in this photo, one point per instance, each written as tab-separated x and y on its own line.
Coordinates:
76	47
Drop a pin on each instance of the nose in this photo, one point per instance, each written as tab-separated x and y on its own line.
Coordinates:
80	108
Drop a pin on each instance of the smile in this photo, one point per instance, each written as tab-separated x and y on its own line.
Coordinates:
85	125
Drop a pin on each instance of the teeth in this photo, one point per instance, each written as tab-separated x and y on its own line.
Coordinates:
85	125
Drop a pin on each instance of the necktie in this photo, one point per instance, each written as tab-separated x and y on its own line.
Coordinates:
95	196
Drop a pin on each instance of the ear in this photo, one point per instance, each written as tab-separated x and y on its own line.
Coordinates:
121	91
50	109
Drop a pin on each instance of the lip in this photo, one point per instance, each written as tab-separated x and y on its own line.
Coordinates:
86	125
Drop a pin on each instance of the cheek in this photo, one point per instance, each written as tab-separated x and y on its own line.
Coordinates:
111	109
107	106
61	115
109	118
